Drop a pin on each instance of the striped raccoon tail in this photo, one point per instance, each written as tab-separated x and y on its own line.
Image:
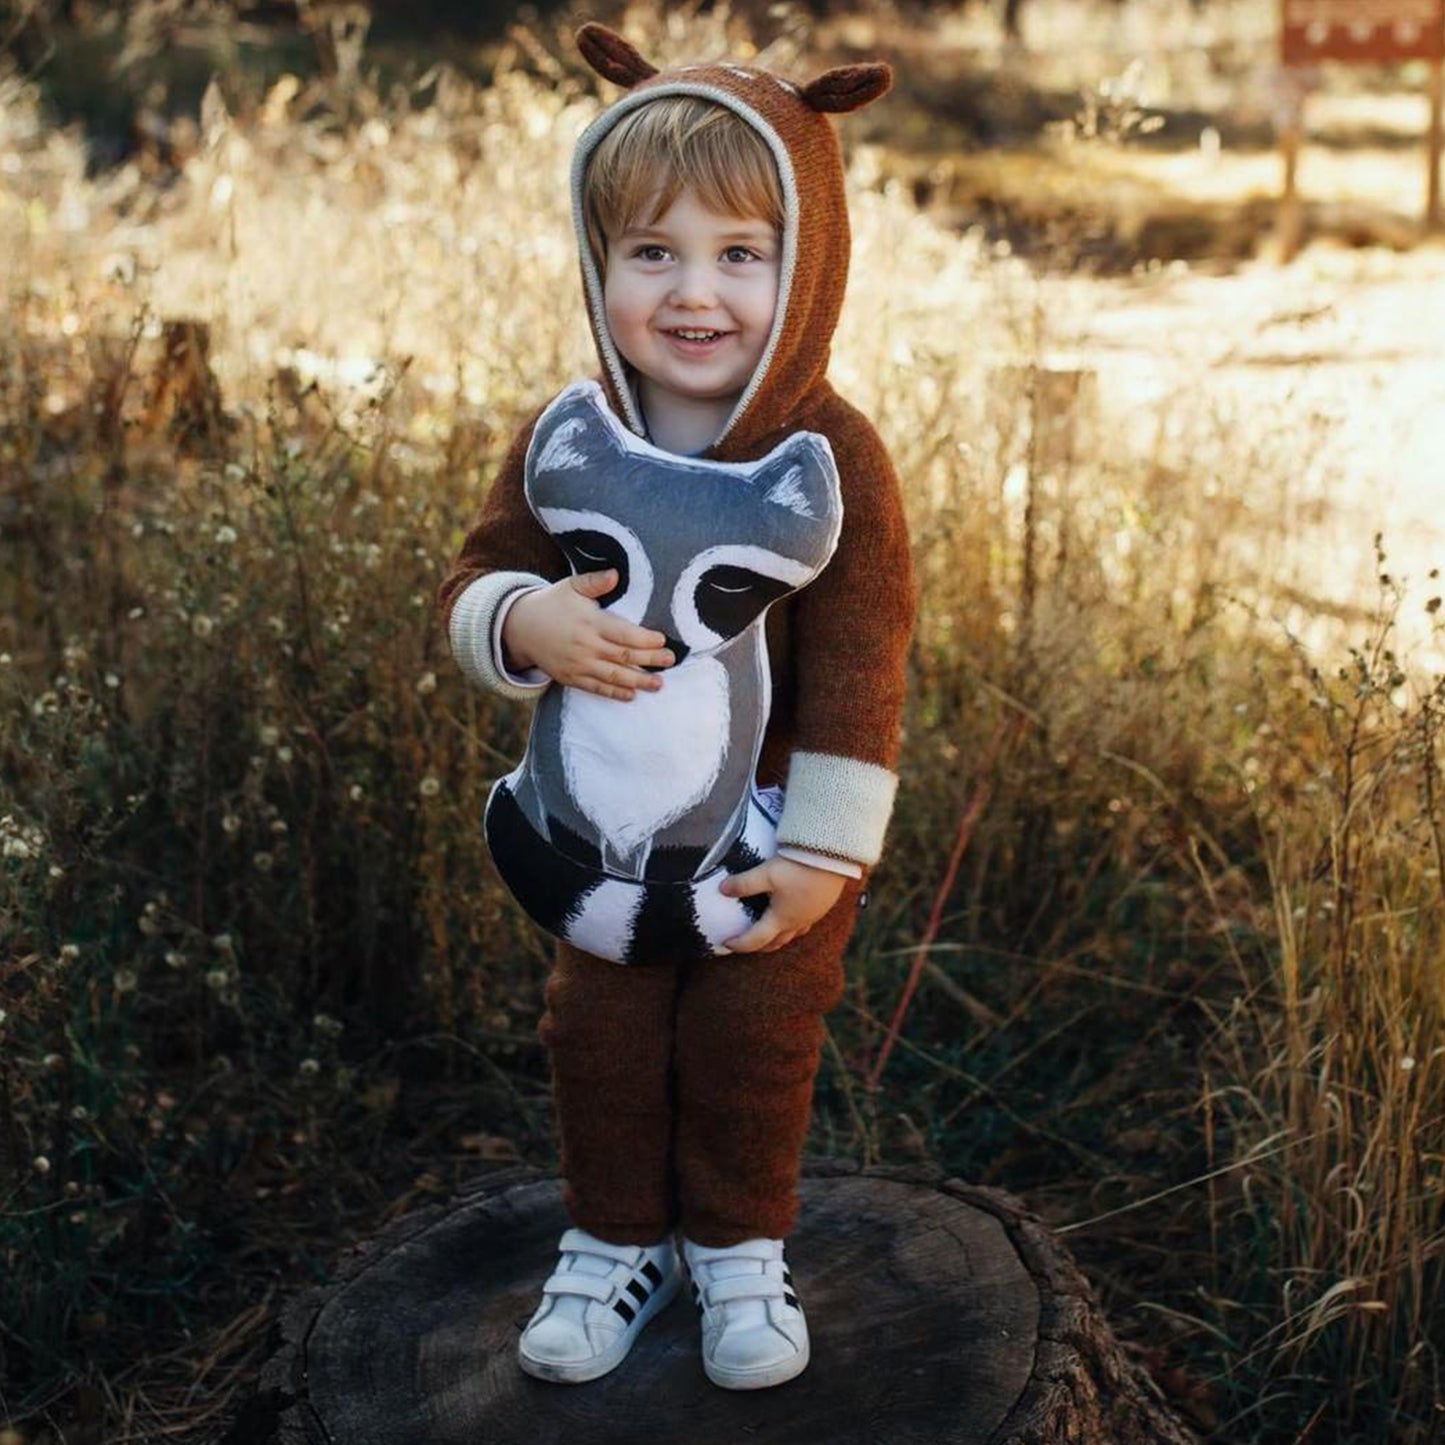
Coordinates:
620	919
551	886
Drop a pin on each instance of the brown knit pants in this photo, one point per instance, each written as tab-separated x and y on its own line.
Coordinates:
683	1092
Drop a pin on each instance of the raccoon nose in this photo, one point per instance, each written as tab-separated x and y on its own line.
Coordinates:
678	649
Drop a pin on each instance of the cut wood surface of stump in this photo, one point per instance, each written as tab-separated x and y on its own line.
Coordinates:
938	1312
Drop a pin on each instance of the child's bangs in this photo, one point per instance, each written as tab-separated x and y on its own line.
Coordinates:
675	143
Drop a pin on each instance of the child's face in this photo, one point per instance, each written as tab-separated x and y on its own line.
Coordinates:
699	271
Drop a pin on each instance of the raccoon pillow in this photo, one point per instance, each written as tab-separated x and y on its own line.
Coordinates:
623	818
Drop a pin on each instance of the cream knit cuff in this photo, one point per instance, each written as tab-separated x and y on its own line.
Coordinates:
470	632
837	805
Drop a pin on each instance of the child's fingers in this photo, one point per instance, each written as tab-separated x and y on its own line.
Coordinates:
638	658
765	936
647	642
603	689
745	884
756	939
594	584
615	668
609	679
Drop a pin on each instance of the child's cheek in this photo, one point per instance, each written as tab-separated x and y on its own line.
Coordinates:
628	323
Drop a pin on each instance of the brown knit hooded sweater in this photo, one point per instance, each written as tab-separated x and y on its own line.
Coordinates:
837	648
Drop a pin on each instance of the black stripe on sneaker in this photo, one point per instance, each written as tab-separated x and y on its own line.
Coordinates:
653	1273
787	1275
792	1300
638	1290
625	1310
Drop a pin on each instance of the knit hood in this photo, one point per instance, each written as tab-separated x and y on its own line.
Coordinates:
793	120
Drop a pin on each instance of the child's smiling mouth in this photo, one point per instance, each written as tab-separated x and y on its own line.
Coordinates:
695	340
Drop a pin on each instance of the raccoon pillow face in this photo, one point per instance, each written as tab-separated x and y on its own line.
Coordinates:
623	817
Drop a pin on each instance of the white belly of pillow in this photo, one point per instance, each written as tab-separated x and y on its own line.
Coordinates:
634	767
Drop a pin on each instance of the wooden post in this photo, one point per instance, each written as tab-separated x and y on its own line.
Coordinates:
1437	139
1289	224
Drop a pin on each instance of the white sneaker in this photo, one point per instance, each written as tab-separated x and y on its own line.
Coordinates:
595	1305
753	1330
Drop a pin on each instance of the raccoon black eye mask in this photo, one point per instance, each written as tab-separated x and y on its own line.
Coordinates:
623	818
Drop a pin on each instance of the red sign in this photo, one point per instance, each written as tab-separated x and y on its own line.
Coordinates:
1363	30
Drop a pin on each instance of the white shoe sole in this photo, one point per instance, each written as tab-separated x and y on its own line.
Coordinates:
760	1376
578	1372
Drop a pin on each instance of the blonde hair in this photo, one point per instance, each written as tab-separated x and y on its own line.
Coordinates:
674	143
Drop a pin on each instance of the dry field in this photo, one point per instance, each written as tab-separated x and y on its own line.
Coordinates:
260	988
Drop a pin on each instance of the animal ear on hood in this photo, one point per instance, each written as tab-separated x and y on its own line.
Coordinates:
848	87
611	56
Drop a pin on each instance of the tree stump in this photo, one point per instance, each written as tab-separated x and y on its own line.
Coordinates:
938	1312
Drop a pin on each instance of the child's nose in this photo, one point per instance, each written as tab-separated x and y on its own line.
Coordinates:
693	286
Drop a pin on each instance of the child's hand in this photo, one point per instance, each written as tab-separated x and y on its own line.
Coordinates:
801	896
562	630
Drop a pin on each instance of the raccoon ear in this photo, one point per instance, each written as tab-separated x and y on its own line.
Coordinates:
802	479
572	432
849	87
611	56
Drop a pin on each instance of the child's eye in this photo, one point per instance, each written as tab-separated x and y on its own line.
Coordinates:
643	250
743	253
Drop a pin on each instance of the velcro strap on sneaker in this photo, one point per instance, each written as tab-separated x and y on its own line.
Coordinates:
749	1249
574	1238
743	1286
588	1284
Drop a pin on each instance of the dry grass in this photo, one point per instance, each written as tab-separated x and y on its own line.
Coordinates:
261	987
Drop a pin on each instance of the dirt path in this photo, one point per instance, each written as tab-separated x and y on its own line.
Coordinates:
1348	345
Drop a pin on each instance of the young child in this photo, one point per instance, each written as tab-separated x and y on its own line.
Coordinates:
698	564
